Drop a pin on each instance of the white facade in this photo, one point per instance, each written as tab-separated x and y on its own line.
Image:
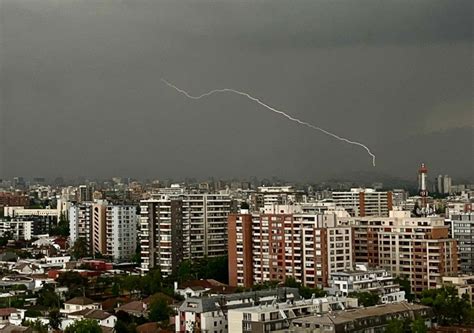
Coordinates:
19	230
364	201
183	226
26	212
277	316
80	222
379	281
121	231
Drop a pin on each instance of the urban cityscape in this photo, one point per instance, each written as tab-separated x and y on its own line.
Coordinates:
237	256
236	166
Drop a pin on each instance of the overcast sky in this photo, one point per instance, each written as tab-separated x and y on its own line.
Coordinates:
81	93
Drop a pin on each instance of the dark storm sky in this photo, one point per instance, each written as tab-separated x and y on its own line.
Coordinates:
81	92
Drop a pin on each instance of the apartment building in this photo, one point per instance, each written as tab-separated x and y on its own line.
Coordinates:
283	241
80	223
99	227
274	195
183	226
121	231
463	283
418	248
210	313
17	229
362	279
362	320
462	230
364	201
278	316
107	229
13	199
205	225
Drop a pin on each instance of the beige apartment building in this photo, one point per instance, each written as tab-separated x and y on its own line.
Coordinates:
284	242
418	248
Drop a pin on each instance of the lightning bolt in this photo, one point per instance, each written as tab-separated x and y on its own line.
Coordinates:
268	107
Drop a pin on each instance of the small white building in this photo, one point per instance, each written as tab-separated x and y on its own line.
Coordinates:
103	318
79	304
363	280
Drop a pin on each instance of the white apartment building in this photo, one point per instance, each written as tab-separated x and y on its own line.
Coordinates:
364	280
18	229
20	211
205	225
462	230
161	234
364	201
121	231
183	226
275	195
80	223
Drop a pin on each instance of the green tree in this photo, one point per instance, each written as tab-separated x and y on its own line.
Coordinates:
36	325
406	287
395	326
305	292
33	313
83	326
46	296
7	235
159	310
449	308
418	326
75	282
62	229
80	249
366	298
115	289
54	319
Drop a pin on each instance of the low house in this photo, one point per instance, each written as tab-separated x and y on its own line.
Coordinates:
5	314
27	268
134	308
79	304
103	318
198	288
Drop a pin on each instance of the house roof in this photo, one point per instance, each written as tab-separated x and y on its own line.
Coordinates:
155	296
7	311
91	314
205	283
80	301
134	306
151	328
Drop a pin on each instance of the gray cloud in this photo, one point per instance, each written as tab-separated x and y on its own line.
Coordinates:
81	92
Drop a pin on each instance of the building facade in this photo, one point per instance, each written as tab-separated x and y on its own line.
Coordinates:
418	248
364	201
121	231
362	280
183	226
462	230
283	242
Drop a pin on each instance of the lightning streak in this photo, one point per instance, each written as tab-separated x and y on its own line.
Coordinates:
268	107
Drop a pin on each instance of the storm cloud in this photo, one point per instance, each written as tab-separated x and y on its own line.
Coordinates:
81	93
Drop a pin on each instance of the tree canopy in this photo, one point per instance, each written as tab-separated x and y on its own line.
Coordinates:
366	298
83	326
449	308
